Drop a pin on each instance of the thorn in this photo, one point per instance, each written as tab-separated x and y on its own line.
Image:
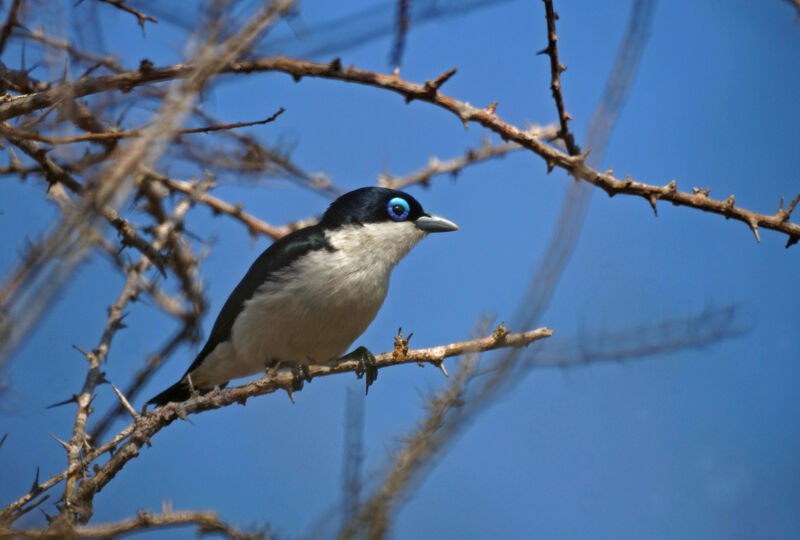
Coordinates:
728	204
291	394
3	439
500	332
788	212
580	158
550	165
125	402
181	412
73	399
434	85
491	108
335	64
47	516
83	352
465	119
792	241
672	186
546	50
36	488
653	200
441	366
754	227
65	445
610	170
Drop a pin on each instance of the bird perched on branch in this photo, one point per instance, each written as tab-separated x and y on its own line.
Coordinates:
312	293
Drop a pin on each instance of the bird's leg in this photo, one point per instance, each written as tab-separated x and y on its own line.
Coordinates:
300	372
192	390
366	364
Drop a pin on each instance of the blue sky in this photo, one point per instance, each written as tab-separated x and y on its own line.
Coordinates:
701	443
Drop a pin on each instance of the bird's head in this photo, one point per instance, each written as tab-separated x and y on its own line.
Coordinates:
370	205
379	225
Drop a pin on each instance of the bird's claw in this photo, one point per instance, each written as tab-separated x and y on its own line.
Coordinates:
366	365
300	374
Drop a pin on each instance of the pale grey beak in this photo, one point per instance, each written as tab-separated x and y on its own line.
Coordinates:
433	223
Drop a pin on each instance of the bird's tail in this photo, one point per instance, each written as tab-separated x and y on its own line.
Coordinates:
179	391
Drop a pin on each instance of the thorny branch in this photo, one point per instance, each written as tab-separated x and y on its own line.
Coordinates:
142	430
454	166
556	68
116	135
429	92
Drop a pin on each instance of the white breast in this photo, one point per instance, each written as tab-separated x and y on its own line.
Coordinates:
312	311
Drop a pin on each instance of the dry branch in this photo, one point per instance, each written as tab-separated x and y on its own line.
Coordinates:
556	68
436	167
206	522
428	92
140	432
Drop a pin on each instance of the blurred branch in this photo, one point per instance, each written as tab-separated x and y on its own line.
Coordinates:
11	22
694	331
478	390
402	24
38	280
206	522
219	206
454	166
471	390
353	454
55	174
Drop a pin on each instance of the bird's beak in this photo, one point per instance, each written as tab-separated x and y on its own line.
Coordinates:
433	223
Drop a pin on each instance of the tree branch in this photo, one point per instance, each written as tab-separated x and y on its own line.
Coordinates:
429	92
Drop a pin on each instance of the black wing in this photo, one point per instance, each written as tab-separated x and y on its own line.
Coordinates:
277	256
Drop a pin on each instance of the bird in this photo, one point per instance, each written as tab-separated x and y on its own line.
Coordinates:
312	293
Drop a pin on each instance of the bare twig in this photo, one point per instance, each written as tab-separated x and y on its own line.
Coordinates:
556	68
218	206
116	135
454	166
140	17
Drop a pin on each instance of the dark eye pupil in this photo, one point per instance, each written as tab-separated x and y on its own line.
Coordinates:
398	210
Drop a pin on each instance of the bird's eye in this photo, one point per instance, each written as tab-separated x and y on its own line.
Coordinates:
398	209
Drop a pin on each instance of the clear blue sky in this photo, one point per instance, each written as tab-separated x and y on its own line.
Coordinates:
697	444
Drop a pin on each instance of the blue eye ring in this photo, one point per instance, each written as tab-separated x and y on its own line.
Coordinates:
398	209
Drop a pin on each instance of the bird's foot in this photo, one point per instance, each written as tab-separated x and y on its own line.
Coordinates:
366	365
301	374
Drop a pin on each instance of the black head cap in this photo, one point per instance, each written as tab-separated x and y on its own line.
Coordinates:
371	205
